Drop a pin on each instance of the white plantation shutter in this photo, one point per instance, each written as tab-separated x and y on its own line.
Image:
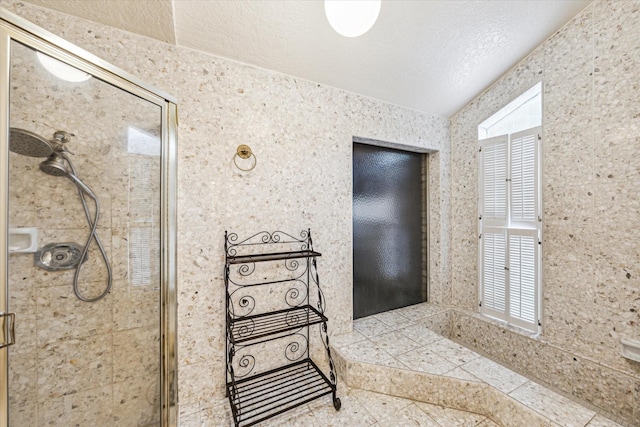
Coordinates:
494	249
509	227
524	176
523	277
494	181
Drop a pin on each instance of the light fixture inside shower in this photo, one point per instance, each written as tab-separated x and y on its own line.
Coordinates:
61	70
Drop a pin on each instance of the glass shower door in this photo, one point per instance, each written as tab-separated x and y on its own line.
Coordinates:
76	139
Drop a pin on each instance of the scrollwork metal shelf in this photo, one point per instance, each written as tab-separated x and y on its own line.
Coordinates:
262	388
244	259
251	328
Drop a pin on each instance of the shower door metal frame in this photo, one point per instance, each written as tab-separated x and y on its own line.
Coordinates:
14	27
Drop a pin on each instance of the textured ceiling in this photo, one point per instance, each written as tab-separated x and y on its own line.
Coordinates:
151	18
432	55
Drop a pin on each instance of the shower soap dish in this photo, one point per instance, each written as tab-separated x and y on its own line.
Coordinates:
630	349
23	240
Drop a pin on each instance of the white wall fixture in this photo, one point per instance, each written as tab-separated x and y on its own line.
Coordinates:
631	349
61	70
352	18
23	240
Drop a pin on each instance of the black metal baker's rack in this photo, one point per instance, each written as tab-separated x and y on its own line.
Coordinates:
256	393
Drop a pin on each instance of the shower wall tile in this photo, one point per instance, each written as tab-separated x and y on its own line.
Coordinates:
135	308
135	353
560	318
120	254
78	408
605	388
22	301
58	203
136	402
568	67
74	365
23	415
22	211
616	247
60	315
568	201
567	263
616	56
23	377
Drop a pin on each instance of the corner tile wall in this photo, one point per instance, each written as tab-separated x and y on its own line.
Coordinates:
591	187
301	133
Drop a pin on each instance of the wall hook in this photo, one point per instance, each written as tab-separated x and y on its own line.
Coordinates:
244	152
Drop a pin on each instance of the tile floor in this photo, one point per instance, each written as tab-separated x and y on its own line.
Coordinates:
399	339
360	408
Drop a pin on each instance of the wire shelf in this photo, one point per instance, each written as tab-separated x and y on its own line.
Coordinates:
274	392
274	323
275	256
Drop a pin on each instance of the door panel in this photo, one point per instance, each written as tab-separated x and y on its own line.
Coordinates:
388	201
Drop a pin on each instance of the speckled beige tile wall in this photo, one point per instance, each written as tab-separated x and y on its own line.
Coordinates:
301	133
591	179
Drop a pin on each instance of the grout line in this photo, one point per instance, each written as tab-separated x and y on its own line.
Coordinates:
520	386
591	419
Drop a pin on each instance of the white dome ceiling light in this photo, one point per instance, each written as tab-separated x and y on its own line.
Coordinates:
352	18
61	70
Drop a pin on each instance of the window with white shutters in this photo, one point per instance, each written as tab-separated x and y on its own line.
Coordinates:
510	228
524	177
522	276
494	170
494	249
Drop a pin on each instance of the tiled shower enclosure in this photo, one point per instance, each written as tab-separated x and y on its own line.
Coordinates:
75	362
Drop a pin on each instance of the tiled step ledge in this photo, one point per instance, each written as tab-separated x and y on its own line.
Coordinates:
469	396
406	353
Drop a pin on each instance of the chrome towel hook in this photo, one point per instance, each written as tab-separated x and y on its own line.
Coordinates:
244	152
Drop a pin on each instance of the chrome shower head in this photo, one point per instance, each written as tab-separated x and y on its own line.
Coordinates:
27	143
54	166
